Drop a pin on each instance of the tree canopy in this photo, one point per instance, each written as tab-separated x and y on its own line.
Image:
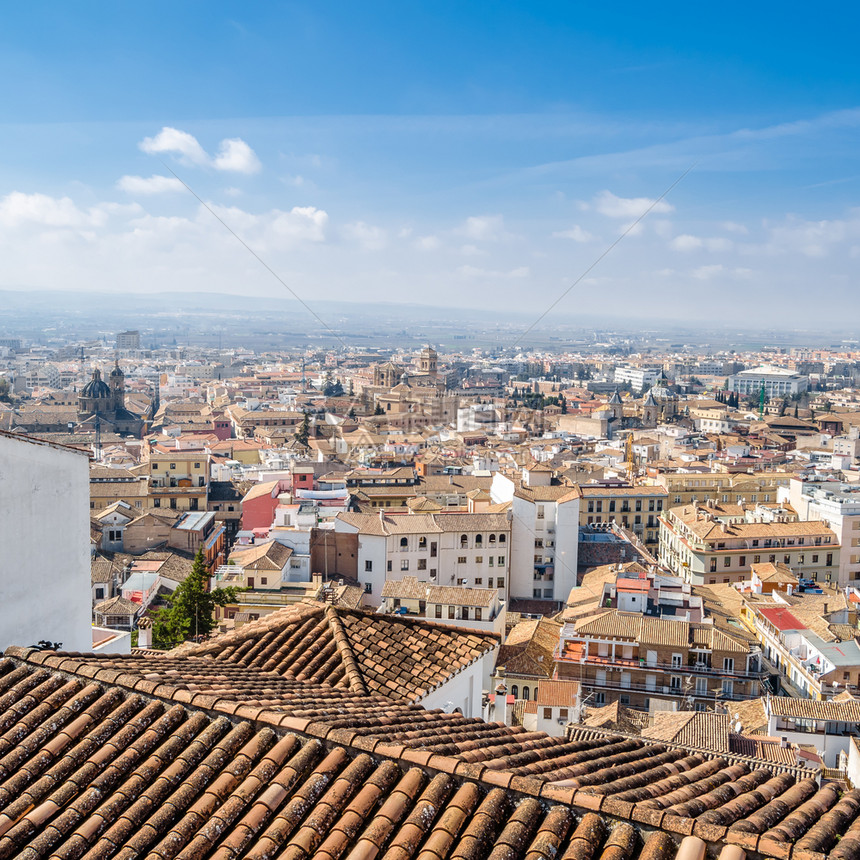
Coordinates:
191	608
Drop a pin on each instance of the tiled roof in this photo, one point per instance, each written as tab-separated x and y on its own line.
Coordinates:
783	706
402	659
122	757
529	648
695	729
658	631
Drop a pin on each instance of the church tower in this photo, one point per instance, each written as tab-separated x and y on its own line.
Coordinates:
117	388
428	361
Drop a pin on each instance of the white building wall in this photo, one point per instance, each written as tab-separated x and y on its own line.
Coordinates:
45	533
566	547
464	689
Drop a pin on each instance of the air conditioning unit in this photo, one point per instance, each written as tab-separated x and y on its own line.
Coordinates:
562	721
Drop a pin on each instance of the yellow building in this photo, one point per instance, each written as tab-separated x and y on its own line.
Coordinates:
179	480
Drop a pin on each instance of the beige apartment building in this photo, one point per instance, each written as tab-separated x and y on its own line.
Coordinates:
708	544
635	508
179	480
651	663
683	488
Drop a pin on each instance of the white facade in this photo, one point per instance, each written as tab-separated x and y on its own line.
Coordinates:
776	381
639	378
463	691
544	542
838	505
458	549
45	531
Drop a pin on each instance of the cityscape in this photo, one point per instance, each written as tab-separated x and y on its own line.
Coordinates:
430	459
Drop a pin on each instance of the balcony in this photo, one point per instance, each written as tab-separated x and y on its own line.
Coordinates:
575	655
617	683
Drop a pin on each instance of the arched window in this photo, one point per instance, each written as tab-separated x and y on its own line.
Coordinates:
479	540
492	538
526	693
464	540
515	691
404	542
422	543
501	538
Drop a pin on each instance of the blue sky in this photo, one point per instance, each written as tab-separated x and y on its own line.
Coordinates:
462	154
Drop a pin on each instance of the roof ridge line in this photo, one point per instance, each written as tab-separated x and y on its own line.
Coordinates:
341	641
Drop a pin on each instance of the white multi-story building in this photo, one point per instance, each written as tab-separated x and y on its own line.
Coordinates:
544	532
639	378
838	506
776	381
445	548
45	593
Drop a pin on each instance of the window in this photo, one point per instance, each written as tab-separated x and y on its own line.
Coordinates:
196	465
591	507
500	582
100	594
756	559
404	564
515	691
173	466
156	503
368	588
461	559
438	612
676	661
727	561
675	682
368	566
713	565
547	713
501	561
624	699
422	564
728	664
599	507
155	466
422	543
600	699
450	612
114	535
477	612
479	540
787	559
464	541
612	506
829	561
479	580
526	693
492	538
490	558
815	559
728	688
772	559
540	513
264	580
501	538
388	566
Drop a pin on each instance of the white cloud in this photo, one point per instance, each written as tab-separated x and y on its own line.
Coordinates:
484	228
235	155
172	140
475	272
367	235
607	203
153	185
705	273
301	223
472	251
427	243
576	233
685	242
734	227
18	209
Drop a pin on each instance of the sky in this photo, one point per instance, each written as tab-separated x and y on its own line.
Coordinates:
480	154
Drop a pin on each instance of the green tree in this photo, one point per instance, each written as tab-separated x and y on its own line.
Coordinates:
190	608
5	391
351	413
379	410
304	431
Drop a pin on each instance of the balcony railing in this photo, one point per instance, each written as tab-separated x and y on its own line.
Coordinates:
665	690
636	663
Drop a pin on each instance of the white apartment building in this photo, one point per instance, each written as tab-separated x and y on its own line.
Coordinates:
472	550
44	510
837	505
544	531
777	381
639	378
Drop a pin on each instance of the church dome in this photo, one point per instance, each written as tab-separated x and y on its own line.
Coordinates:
96	387
117	371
